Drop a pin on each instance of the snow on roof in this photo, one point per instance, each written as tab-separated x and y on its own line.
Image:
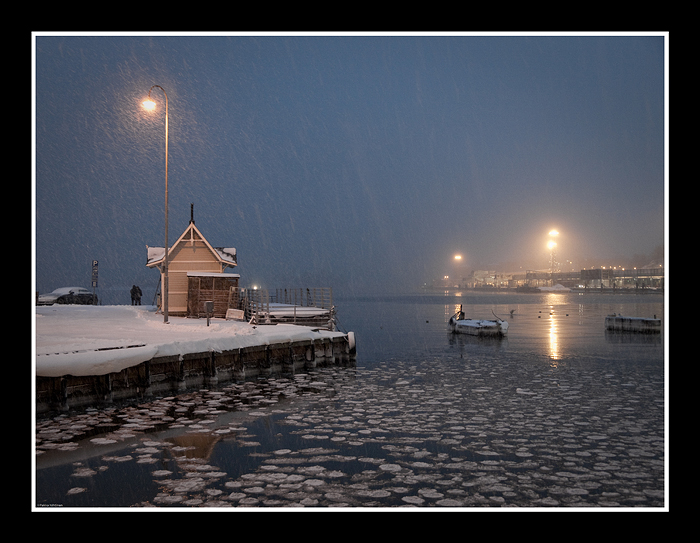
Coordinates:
67	290
225	254
155	254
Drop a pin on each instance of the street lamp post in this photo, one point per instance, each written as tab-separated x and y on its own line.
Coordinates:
150	105
552	245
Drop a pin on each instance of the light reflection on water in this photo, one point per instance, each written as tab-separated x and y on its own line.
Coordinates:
553	340
426	419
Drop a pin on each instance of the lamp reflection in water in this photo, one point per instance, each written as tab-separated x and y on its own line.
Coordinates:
554	353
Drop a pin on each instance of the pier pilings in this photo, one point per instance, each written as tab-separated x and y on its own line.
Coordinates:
176	373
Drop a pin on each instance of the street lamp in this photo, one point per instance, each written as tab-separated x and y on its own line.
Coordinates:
150	105
552	245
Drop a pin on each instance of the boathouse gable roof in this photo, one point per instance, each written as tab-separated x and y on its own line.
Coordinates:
225	255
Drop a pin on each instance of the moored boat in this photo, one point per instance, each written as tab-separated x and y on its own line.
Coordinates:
477	327
619	323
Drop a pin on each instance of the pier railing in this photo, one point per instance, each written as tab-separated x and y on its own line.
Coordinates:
256	305
303	306
305	297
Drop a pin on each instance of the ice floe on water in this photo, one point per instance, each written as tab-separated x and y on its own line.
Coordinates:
493	436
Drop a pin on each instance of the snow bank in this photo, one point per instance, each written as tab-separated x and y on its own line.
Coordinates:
92	362
97	340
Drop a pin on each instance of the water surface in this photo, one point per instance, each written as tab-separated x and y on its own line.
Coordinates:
560	414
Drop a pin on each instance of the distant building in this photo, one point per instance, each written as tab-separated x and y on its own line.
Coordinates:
652	277
196	274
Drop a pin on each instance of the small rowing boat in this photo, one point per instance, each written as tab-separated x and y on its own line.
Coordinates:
477	327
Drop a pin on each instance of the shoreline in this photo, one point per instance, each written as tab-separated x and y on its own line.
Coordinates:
87	355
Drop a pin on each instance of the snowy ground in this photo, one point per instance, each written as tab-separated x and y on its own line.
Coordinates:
96	340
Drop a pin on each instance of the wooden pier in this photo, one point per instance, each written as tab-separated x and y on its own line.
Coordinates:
173	374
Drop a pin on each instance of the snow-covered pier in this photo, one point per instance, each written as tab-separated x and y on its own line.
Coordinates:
88	355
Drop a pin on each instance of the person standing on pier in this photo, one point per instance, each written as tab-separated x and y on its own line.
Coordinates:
135	295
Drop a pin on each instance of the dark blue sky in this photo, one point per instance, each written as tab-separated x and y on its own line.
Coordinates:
356	162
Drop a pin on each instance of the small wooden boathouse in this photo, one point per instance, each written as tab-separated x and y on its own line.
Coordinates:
196	274
200	287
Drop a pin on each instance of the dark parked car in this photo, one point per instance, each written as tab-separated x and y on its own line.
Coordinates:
68	295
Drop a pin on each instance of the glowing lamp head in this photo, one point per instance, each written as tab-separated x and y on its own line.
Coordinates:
149	105
458	257
553	233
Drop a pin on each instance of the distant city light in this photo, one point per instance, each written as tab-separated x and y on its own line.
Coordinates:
551	245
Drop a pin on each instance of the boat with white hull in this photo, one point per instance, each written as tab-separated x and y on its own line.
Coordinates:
477	327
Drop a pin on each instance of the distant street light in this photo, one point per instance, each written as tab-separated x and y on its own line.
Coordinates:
552	245
150	105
